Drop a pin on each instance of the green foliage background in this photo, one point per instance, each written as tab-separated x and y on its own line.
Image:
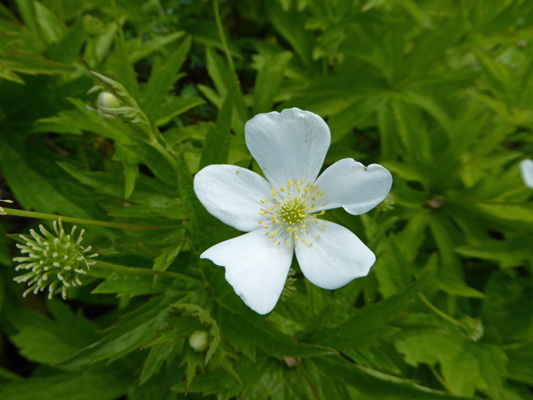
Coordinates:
438	91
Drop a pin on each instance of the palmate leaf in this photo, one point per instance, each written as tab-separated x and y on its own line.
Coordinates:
465	366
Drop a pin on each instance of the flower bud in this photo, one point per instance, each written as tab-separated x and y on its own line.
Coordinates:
471	328
199	340
54	261
108	100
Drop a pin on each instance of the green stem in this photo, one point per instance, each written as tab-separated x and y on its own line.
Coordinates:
140	271
440	379
436	310
311	302
156	145
38	215
223	40
500	203
309	380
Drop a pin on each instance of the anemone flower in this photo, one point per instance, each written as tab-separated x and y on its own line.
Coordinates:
281	214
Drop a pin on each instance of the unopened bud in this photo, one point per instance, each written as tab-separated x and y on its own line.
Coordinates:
199	340
108	100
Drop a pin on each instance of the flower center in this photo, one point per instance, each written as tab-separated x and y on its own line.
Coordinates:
293	211
290	210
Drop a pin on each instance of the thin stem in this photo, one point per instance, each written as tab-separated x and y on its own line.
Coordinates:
140	271
311	302
223	39
38	215
501	203
436	310
309	381
440	379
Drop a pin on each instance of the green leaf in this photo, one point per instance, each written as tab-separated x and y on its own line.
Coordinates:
134	330
370	324
163	77
217	141
165	112
368	384
49	341
236	319
39	184
291	25
131	169
466	366
103	383
51	29
268	81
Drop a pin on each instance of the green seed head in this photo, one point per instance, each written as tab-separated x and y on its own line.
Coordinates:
54	261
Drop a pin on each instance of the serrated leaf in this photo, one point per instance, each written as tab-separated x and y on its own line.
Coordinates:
370	323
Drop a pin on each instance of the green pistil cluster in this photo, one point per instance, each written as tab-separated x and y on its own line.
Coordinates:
52	261
293	211
288	211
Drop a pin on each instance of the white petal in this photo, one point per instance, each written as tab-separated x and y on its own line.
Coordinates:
288	145
336	258
256	268
351	185
526	169
232	194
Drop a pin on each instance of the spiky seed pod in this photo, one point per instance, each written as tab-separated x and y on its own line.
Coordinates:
54	261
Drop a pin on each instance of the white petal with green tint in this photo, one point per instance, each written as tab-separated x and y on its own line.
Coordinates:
351	185
336	256
526	169
232	194
256	268
288	145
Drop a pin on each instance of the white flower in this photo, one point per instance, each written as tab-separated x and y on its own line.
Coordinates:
281	213
526	169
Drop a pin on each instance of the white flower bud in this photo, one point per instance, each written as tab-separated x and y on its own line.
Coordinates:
199	340
108	100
